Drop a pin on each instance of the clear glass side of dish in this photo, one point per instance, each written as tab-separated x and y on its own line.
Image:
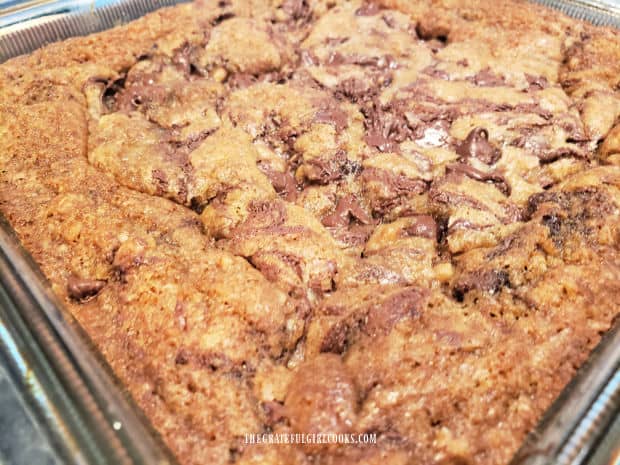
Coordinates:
66	386
27	25
73	394
598	12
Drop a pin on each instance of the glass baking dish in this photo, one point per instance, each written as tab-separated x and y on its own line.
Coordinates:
72	394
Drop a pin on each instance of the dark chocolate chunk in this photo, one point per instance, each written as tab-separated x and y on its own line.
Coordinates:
336	59
569	213
399	184
443	196
477	145
536	82
335	341
397	188
423	226
297	9
553	222
283	182
562	152
274	411
452	338
386	127
332	115
494	177
110	91
138	95
308	58
182	357
186	60
432	32
505	245
348	208
465	224
380	62
490	281
266	214
223	17
389	21
355	90
383	317
82	290
354	235
436	73
533	108
323	171
240	80
487	78
368	9
161	181
382	143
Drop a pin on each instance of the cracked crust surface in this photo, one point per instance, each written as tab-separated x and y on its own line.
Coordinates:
308	216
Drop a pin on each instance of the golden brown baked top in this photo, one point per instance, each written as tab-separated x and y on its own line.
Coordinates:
317	216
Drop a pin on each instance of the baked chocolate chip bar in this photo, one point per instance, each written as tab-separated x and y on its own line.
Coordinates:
392	220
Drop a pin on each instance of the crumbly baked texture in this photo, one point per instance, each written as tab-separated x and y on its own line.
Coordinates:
322	216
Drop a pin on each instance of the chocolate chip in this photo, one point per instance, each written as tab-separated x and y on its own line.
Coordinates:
83	290
477	145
